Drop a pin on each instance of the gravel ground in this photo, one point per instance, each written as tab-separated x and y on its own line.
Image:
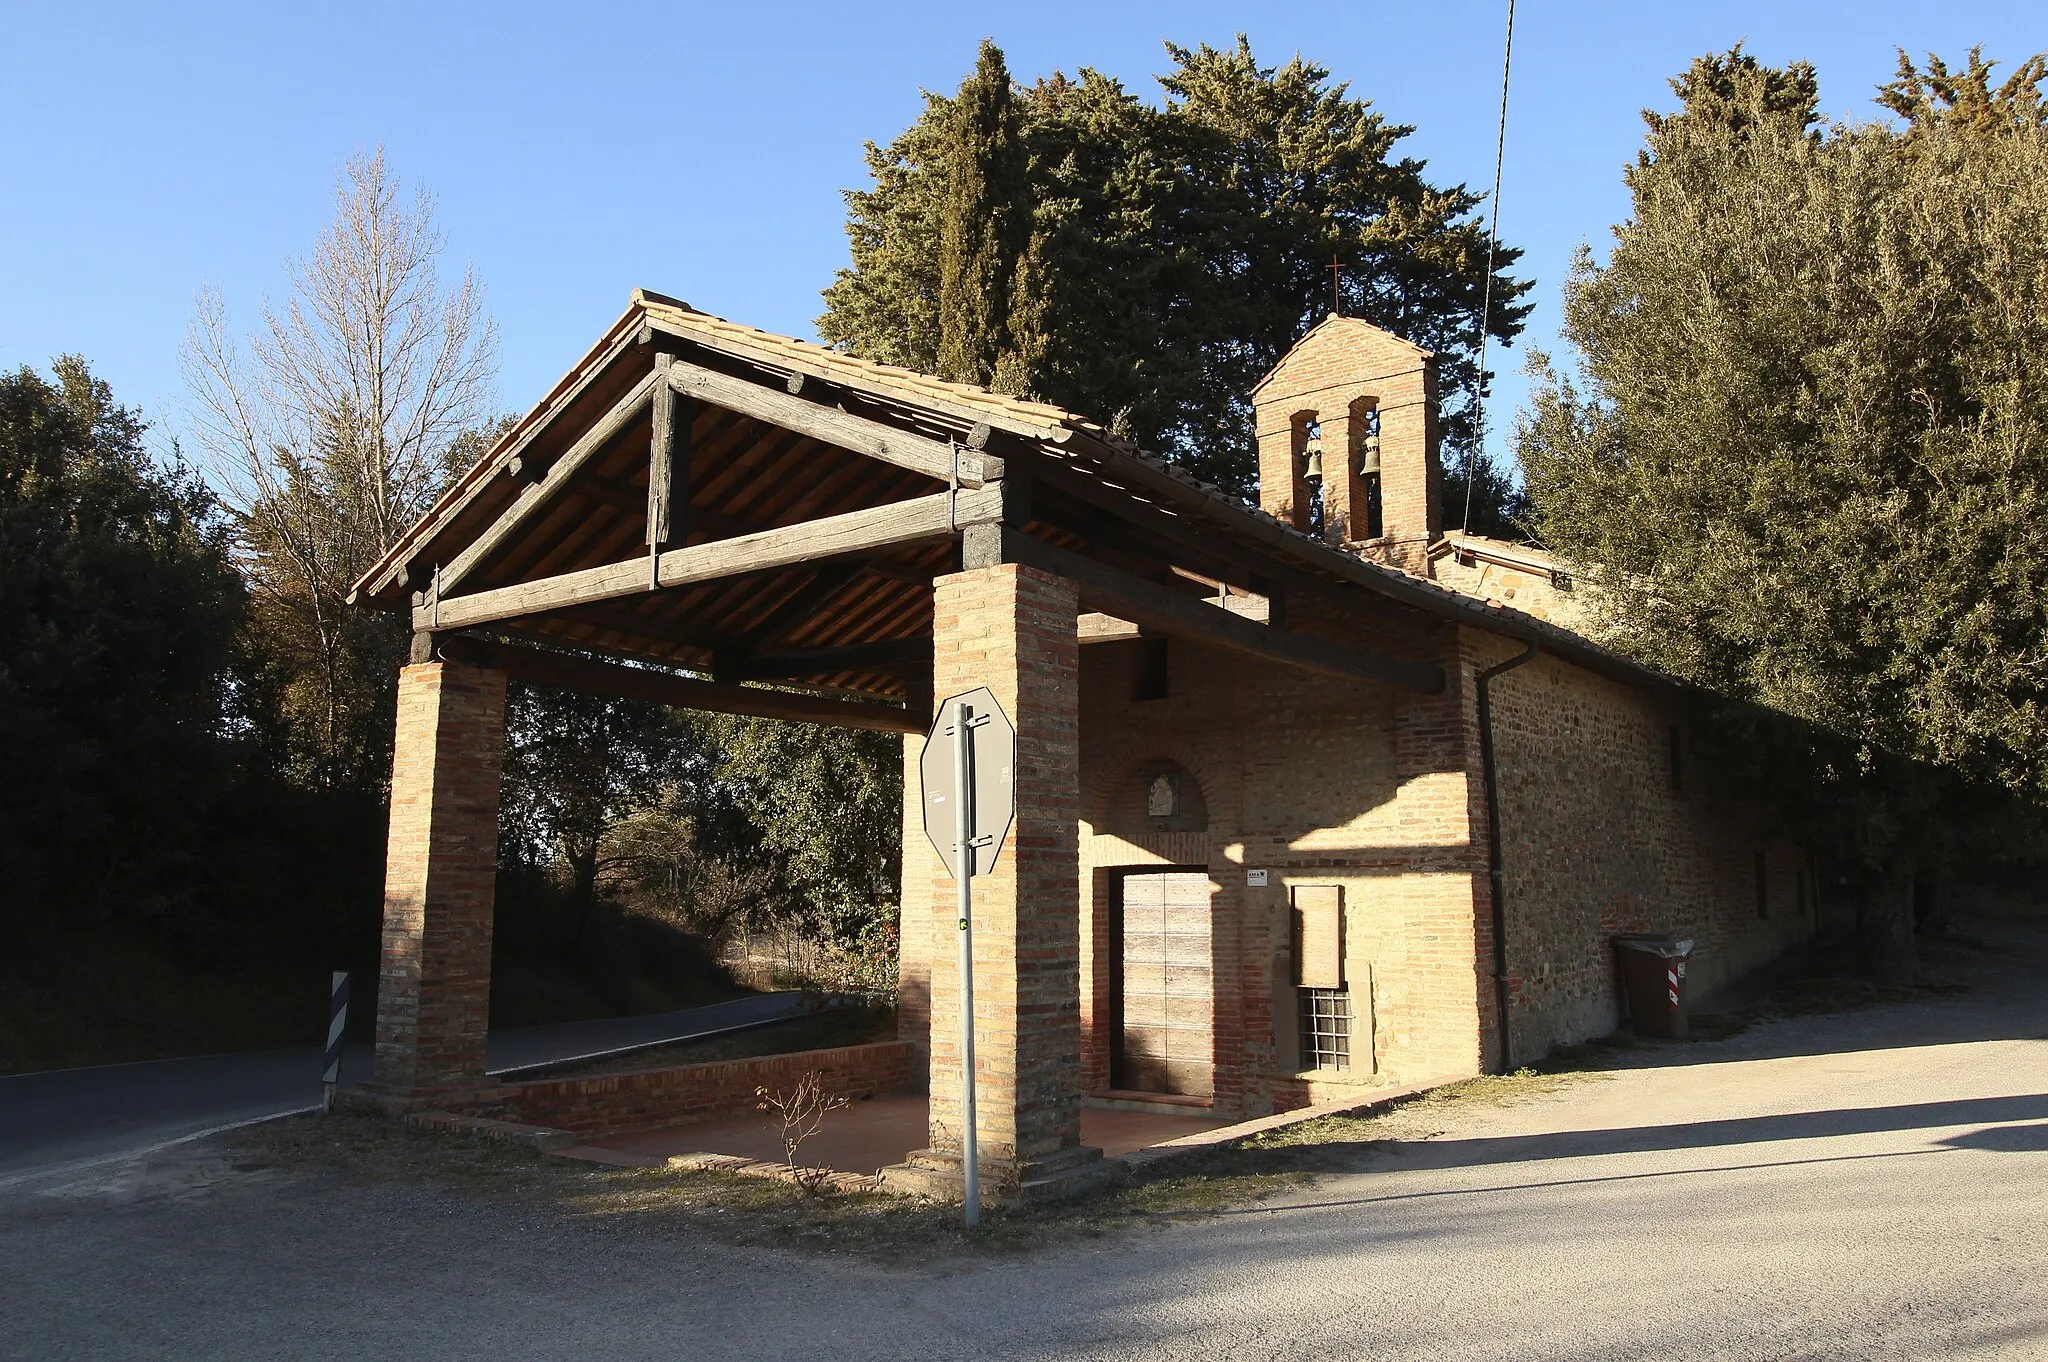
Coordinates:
1859	1185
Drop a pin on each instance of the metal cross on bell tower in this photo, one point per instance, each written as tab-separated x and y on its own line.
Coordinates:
1336	268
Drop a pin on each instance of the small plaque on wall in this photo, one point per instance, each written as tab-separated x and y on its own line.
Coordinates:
1319	935
1255	879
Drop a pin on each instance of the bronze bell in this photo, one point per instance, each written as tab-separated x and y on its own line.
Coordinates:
1369	454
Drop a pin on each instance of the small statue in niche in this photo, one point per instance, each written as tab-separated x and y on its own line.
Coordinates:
1162	796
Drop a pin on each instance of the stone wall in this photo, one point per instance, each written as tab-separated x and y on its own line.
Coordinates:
1598	837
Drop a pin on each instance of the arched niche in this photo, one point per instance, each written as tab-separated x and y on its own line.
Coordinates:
1157	796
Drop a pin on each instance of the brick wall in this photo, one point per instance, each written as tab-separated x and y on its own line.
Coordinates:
1379	793
691	1094
1318	782
434	978
1012	629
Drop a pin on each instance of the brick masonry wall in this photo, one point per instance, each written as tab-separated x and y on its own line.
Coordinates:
692	1094
434	978
1597	840
1318	782
1012	629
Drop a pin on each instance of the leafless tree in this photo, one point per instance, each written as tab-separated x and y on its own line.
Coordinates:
801	1112
335	423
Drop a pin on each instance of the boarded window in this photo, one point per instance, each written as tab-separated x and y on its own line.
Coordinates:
1319	936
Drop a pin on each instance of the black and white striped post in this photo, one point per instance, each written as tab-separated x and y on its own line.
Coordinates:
337	1023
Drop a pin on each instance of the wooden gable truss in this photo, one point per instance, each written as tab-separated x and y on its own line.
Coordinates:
722	519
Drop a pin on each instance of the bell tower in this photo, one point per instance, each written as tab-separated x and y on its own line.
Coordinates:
1347	430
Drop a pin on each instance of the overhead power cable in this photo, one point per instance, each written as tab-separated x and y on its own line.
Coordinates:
1500	148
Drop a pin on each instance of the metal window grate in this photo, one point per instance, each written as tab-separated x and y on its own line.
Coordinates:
1325	1028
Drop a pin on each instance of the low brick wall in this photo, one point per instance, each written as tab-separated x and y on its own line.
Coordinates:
611	1104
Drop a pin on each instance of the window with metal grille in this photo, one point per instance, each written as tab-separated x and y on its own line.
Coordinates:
1325	1028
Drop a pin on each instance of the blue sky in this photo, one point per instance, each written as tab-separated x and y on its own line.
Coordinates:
578	151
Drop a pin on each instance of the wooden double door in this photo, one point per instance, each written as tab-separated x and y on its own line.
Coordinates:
1165	1036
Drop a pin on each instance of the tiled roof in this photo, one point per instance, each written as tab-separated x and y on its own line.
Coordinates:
679	318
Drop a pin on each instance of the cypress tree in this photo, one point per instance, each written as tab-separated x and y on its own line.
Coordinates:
985	232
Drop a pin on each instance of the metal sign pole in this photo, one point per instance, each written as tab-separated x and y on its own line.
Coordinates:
963	816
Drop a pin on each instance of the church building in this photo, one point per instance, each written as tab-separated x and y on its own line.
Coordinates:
1311	797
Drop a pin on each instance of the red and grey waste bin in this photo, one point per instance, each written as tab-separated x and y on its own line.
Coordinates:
1653	981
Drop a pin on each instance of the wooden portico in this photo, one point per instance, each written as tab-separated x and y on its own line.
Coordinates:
714	517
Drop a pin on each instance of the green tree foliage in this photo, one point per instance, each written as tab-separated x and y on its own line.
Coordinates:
1808	449
120	615
823	806
1175	252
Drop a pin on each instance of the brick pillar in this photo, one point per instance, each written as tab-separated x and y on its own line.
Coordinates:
1411	476
440	873
1344	509
914	935
1012	629
1283	488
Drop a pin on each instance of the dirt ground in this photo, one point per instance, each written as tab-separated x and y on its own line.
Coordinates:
1813	1183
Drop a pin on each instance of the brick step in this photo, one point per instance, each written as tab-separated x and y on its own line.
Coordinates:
1165	1103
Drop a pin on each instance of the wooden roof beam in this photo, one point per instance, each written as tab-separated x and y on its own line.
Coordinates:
833	426
532	497
937	516
1149	605
596	676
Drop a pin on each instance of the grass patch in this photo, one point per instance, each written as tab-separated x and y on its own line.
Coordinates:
361	1147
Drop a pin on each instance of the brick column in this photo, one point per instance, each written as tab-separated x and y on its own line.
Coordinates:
1344	508
914	937
1012	629
1411	478
1283	490
440	873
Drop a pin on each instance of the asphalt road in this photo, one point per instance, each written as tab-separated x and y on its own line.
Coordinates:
70	1116
1861	1185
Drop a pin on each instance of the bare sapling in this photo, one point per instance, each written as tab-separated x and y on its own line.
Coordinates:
802	1111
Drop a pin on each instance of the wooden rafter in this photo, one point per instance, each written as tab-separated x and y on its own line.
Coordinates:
1152	606
832	425
597	676
887	655
855	532
531	498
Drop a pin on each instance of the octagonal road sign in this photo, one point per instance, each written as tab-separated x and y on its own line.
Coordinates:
989	783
